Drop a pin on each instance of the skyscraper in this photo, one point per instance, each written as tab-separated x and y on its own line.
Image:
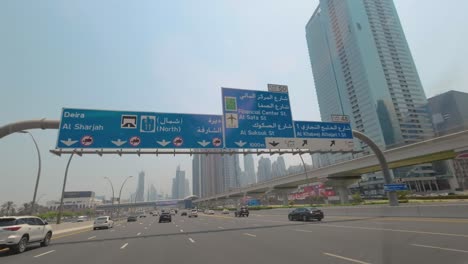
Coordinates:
264	169
232	171
449	115
249	168
186	188
179	185
140	191
363	68
196	175
152	193
278	168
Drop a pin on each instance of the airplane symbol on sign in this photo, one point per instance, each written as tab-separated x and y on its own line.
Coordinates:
232	118
332	143
274	143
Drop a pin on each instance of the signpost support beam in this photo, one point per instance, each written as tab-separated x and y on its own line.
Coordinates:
59	215
28	124
392	196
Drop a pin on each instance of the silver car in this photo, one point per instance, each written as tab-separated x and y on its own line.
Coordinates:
103	222
16	232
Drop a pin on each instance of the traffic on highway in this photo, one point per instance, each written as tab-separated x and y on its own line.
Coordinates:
331	239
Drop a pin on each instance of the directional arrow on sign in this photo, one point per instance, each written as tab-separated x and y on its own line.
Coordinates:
69	142
204	143
240	143
163	142
332	143
274	143
118	142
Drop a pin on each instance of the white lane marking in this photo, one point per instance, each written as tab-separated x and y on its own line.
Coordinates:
256	225
247	234
176	225
181	230
124	246
141	223
45	253
191	240
345	258
146	228
92	237
113	230
441	248
220	227
394	230
138	234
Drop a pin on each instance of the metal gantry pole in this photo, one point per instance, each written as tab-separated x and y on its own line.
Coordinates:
33	205
120	194
59	215
113	194
307	176
392	196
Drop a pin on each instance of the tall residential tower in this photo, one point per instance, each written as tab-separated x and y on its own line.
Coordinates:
363	68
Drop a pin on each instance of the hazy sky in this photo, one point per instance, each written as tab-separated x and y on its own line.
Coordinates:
172	56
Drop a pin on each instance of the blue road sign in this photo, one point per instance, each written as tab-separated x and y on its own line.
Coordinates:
81	128
251	116
395	187
305	129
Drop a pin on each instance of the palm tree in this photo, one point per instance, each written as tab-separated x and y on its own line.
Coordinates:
8	208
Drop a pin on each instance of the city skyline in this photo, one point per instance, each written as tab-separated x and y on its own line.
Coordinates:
60	67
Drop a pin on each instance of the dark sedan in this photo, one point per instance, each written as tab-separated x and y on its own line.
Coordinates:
306	214
132	218
165	217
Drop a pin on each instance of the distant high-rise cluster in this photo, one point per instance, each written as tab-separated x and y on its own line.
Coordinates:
264	169
278	168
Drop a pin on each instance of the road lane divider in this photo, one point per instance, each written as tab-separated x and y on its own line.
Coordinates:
181	230
124	246
251	235
45	253
138	234
393	230
440	248
191	240
345	258
91	237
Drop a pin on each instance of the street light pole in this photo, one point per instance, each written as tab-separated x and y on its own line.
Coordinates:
120	194
113	195
59	215
38	170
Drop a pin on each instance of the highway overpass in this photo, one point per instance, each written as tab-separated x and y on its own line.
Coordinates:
440	148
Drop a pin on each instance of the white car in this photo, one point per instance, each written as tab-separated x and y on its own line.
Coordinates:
103	222
225	211
210	212
81	219
16	232
193	213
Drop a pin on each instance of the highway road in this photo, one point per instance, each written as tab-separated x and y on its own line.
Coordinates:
264	237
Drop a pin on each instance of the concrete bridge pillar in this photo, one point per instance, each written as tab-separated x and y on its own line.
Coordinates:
343	193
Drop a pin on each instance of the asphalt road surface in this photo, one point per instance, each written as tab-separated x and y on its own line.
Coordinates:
264	237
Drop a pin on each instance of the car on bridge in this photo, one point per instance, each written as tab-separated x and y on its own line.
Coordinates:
16	232
306	214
